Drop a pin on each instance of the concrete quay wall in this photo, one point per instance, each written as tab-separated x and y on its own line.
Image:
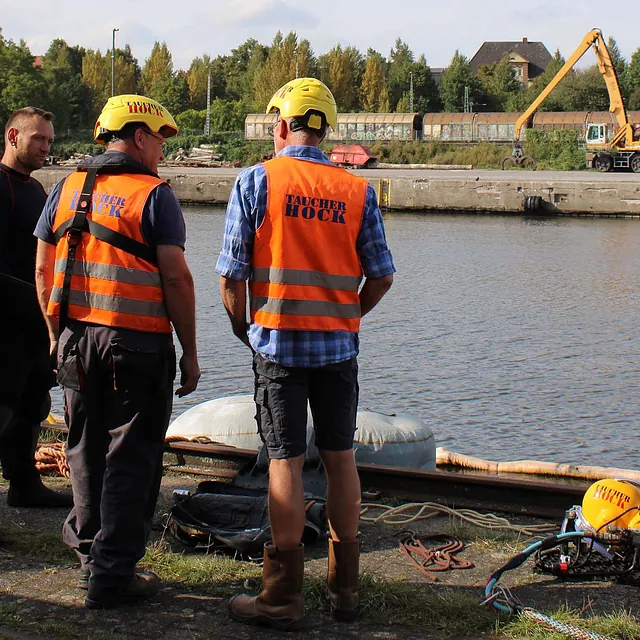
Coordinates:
561	193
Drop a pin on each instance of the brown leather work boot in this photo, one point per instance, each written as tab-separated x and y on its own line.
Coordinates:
280	604
342	579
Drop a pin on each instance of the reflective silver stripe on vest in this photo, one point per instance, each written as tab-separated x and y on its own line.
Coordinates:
126	275
112	303
311	278
304	307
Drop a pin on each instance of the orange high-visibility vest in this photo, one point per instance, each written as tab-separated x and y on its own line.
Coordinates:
305	267
109	286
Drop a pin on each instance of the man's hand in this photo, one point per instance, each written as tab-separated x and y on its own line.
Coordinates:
234	299
189	375
240	331
53	354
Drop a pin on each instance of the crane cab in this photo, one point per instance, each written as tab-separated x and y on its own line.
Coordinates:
596	134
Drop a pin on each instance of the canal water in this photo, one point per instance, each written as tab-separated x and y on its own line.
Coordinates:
512	338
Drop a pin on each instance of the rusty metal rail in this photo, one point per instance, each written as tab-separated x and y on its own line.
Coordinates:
543	498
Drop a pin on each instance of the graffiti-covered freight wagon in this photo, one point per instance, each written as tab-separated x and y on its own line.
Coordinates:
377	127
500	127
365	127
446	127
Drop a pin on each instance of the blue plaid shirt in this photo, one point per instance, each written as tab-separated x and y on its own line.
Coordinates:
245	211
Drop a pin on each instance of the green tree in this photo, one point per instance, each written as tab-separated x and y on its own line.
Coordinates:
373	91
227	115
158	68
631	79
96	79
197	81
634	101
161	83
66	94
191	120
127	71
499	83
619	63
21	83
583	90
404	103
241	68
341	70
401	65
522	100
454	79
280	67
426	97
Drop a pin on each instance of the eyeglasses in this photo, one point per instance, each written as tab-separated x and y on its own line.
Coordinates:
160	137
271	129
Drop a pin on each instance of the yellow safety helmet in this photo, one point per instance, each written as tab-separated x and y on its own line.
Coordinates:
635	522
298	97
124	109
611	502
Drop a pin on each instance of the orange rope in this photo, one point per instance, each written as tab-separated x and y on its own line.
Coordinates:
51	460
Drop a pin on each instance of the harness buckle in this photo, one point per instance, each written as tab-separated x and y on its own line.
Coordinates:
73	237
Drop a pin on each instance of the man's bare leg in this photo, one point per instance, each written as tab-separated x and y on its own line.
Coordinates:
343	494
286	502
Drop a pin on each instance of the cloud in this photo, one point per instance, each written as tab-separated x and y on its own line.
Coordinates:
262	13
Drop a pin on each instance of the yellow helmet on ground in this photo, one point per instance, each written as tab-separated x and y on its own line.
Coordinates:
301	97
611	502
128	108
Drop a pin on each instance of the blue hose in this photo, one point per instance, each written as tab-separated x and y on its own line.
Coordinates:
516	561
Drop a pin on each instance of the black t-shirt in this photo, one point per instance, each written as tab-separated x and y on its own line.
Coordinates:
22	199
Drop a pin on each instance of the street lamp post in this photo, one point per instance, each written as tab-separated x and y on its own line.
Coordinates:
207	122
411	92
113	61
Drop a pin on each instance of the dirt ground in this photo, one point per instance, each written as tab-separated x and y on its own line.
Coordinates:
46	591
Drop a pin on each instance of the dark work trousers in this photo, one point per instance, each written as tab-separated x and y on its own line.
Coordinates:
118	388
25	379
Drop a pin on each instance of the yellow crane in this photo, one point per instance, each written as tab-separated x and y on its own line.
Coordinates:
621	151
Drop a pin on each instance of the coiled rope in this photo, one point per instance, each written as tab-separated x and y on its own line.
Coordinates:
413	511
431	557
51	460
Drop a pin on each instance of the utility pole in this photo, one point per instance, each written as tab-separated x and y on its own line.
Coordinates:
113	61
467	102
297	66
207	122
411	92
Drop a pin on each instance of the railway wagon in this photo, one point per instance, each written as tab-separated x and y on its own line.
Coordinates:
578	120
447	127
375	127
469	127
367	127
500	127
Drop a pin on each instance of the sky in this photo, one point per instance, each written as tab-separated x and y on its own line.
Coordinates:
214	27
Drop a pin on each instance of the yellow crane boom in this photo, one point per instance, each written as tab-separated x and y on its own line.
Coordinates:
605	65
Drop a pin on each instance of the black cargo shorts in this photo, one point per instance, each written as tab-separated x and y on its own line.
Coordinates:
282	394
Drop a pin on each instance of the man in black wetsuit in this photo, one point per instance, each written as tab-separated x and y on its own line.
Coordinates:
25	371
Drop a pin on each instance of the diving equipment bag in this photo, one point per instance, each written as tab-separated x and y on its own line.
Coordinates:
225	517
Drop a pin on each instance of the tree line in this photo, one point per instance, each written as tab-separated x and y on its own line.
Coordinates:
75	82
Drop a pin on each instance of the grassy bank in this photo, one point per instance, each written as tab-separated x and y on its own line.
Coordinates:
441	611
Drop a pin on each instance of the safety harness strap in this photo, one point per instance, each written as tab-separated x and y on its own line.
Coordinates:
114	238
75	230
